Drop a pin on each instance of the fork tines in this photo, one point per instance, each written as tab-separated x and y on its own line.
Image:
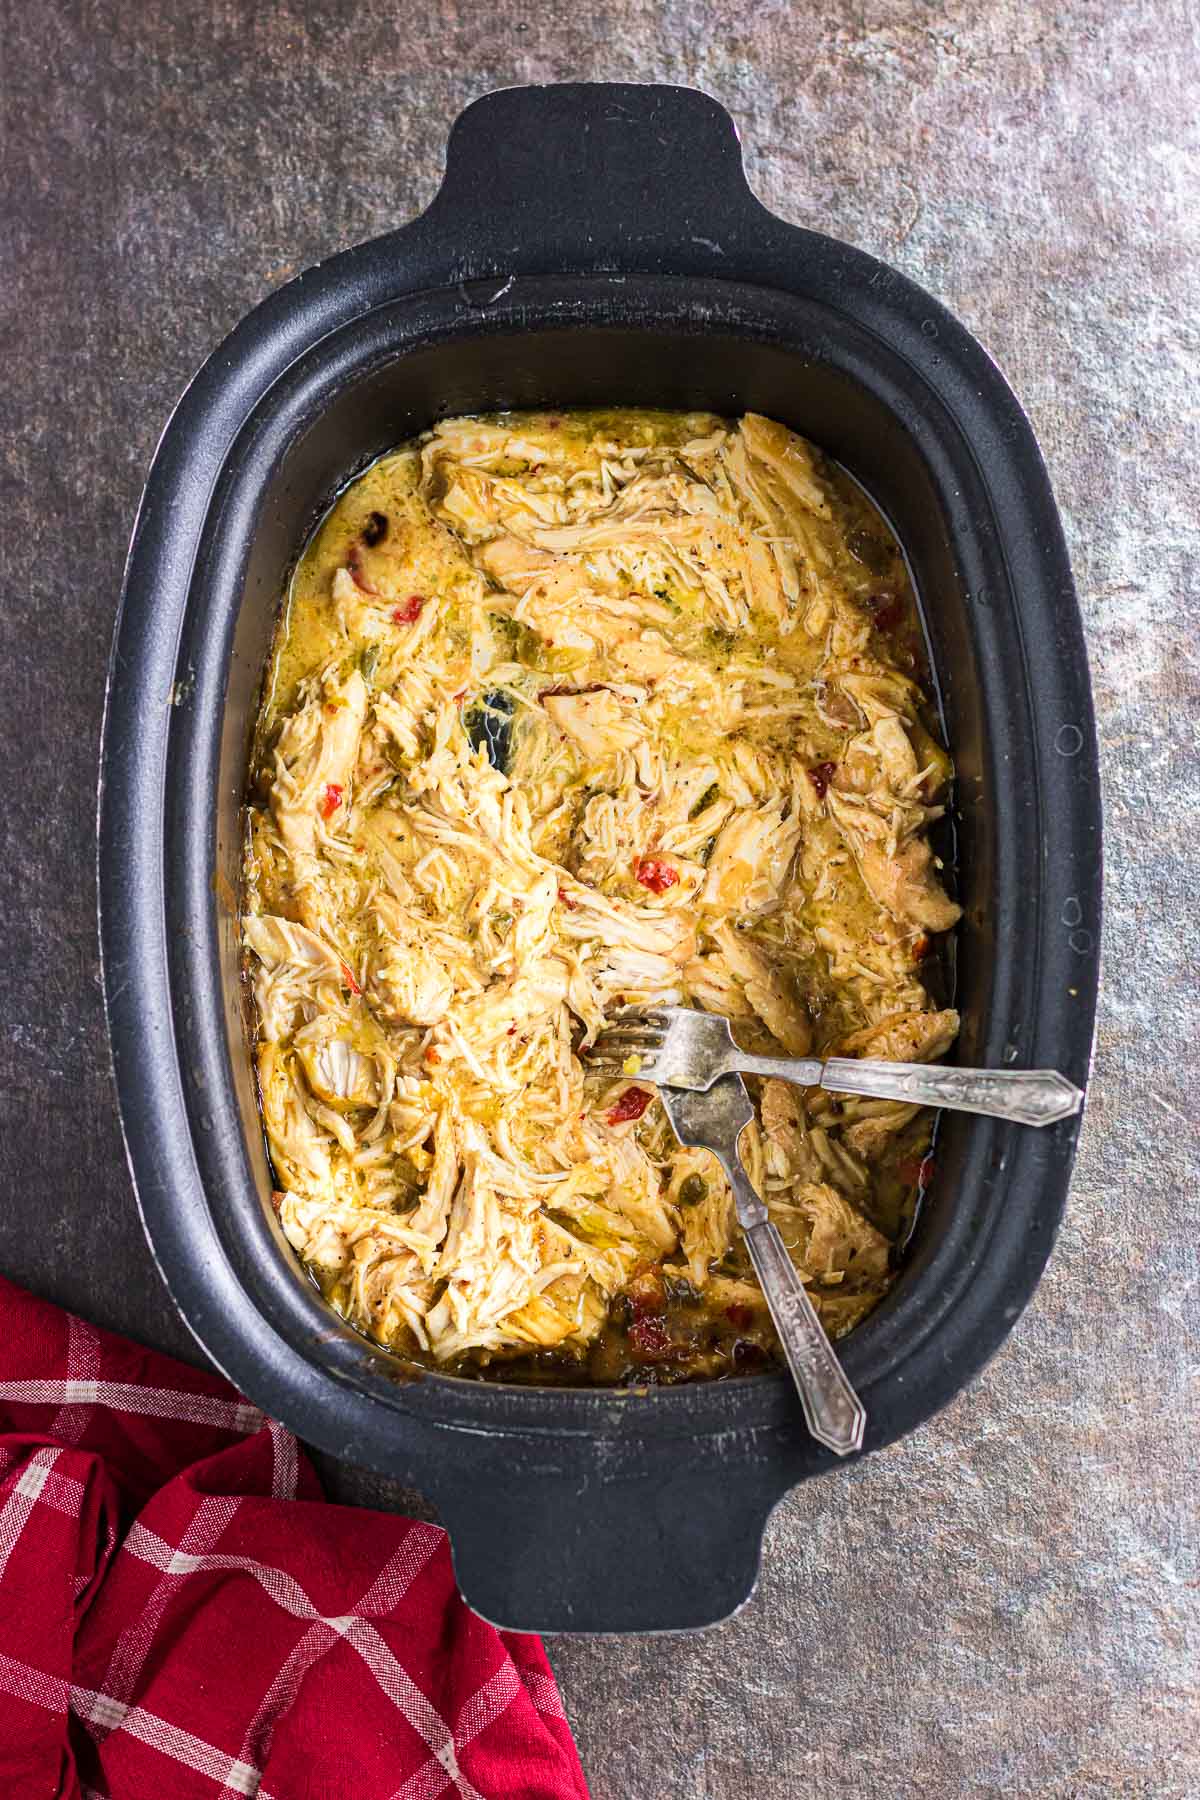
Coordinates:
632	1034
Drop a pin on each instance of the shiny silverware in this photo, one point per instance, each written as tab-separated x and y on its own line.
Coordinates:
714	1119
677	1046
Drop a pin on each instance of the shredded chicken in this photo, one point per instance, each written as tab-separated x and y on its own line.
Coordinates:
566	713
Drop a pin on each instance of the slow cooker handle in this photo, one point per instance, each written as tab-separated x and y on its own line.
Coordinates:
592	175
606	1537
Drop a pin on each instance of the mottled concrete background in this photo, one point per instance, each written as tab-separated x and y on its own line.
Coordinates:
1007	1603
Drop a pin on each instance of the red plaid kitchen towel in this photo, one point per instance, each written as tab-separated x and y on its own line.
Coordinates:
182	1617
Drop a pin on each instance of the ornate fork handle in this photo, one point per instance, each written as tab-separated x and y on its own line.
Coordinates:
1027	1096
833	1412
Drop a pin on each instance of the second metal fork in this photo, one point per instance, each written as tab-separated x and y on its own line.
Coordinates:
716	1119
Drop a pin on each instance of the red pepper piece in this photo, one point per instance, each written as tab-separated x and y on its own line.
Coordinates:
566	900
631	1105
655	874
331	799
410	611
348	978
650	1338
821	776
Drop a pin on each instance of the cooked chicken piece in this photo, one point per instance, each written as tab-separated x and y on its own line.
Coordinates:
518	1005
300	974
574	1237
879	693
549	590
653	550
299	1148
361	616
706	1216
897	758
531	935
850	630
600	851
688	790
841	1245
711	983
408	979
874	1126
761	581
750	859
647	657
781	1016
903	1037
741	963
618	925
818	614
609	1244
515	565
634	1192
476	442
840	1310
881	763
779	1110
636	978
314	763
489	1260
548	1318
278	941
902	877
339	1074
712	551
469	504
388	834
413	987
691	837
429	1220
789	458
388	1287
596	722
788	1155
311	1228
766	515
476	1220
839	1165
610	824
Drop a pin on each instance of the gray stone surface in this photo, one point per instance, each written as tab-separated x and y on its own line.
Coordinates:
1006	1603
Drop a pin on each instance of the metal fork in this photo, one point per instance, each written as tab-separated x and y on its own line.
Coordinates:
715	1120
679	1047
